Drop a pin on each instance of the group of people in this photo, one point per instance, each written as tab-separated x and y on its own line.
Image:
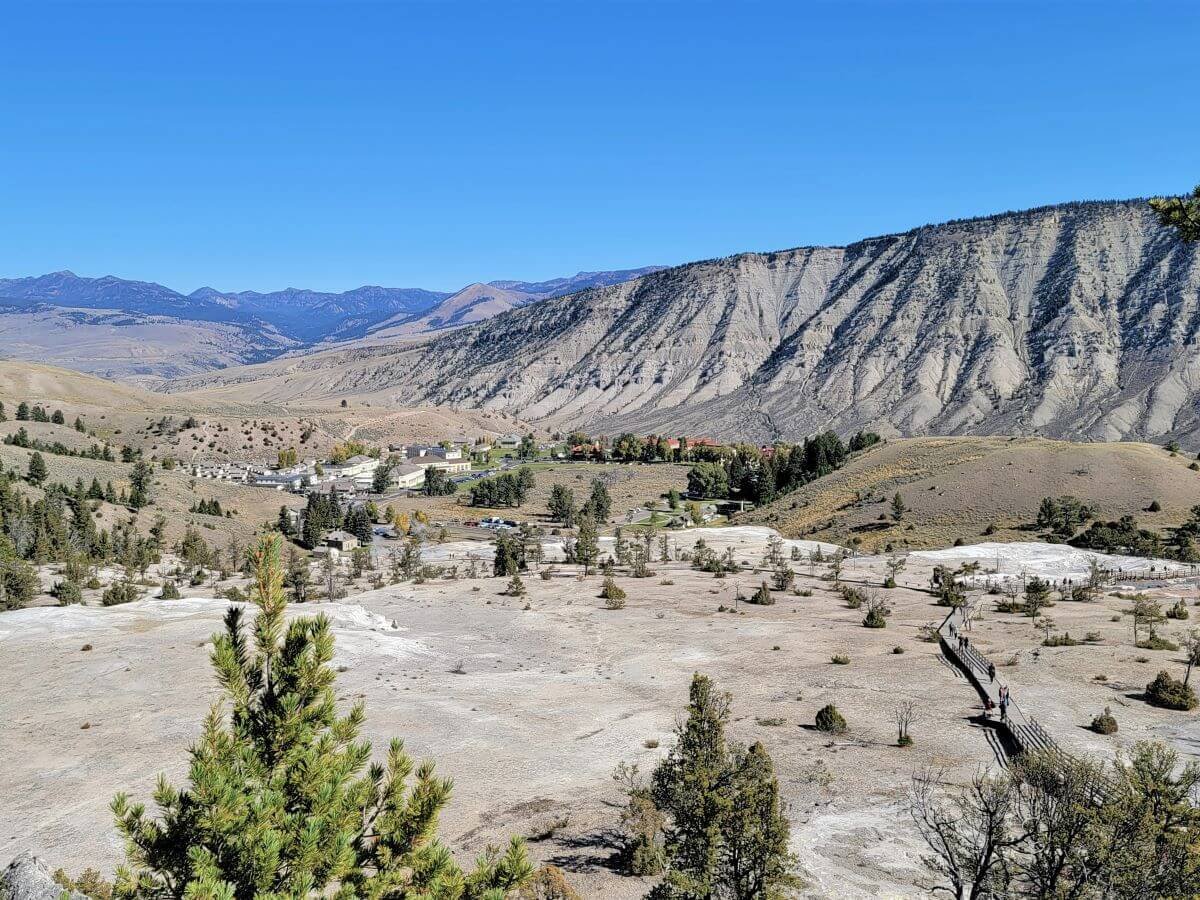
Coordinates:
964	642
988	705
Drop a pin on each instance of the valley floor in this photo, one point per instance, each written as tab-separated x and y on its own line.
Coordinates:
529	703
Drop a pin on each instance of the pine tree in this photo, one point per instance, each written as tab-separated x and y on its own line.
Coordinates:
58	418
37	469
599	504
22	411
1181	213
281	800
728	833
140	479
509	555
562	505
898	507
587	544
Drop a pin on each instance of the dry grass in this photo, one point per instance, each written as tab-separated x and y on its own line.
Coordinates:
956	487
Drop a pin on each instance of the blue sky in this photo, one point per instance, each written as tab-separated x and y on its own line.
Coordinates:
262	145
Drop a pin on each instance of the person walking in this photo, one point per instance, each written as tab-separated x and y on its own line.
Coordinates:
1004	708
991	671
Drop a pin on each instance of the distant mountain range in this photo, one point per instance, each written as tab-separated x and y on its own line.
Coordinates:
120	328
1080	320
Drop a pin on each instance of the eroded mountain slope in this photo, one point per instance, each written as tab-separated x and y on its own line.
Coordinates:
1077	320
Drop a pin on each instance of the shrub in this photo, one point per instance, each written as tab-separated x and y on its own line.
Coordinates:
1169	693
804	592
830	720
120	592
1178	611
67	592
516	587
853	596
611	591
762	597
1061	640
614	603
549	883
91	884
897	650
1154	506
877	613
1104	723
840	659
1156	642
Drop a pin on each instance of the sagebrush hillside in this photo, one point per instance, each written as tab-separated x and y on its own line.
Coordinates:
981	489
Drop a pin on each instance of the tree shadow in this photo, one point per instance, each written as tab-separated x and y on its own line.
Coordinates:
594	851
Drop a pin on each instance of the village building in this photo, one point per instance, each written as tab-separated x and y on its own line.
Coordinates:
342	541
450	466
353	467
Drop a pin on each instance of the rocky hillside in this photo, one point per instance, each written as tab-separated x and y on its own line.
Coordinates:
1077	320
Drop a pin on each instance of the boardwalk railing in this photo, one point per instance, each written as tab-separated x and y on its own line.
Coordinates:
1025	733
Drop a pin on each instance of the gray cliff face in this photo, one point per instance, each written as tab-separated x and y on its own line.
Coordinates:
1076	321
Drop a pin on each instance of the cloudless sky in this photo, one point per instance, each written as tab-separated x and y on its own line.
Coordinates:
430	144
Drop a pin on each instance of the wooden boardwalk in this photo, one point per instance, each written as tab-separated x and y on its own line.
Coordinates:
1025	734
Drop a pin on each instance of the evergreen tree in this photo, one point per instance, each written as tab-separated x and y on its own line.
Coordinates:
281	802
562	505
321	516
58	418
898	507
1180	213
78	426
728	833
587	544
296	578
599	504
358	523
438	483
510	554
140	480
37	469
22	411
3	415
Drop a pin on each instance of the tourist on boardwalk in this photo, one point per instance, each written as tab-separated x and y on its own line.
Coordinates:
991	671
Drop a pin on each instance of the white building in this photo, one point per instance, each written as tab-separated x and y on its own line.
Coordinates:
509	441
407	476
353	467
450	466
281	481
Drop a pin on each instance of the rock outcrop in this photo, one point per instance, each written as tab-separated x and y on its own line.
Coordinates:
29	878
